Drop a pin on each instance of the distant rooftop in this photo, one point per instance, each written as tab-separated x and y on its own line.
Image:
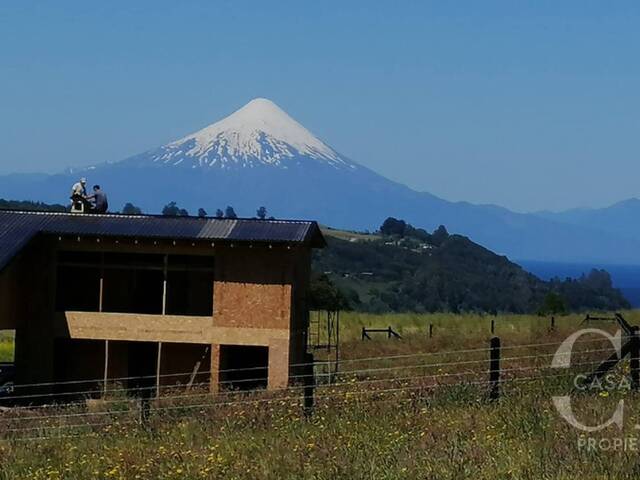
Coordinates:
18	228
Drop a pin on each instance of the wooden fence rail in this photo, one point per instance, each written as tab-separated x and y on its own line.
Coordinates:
389	331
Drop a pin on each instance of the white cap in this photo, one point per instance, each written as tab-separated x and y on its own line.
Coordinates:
83	180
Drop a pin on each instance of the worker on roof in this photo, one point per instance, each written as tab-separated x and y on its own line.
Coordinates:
79	202
99	201
79	189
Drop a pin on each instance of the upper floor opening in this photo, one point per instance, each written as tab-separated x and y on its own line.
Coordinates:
145	283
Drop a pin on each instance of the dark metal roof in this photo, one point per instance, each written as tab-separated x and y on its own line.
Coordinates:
17	228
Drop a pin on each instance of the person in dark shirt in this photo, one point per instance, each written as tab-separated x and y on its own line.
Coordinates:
99	198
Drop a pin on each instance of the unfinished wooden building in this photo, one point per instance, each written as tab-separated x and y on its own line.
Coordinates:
174	300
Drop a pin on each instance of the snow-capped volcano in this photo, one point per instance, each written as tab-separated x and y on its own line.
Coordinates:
258	134
259	156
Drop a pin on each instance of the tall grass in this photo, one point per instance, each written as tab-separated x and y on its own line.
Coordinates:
466	327
452	435
445	432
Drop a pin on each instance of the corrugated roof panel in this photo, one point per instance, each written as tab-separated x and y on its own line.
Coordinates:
18	228
217	228
264	230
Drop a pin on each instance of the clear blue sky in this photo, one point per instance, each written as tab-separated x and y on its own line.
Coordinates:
530	105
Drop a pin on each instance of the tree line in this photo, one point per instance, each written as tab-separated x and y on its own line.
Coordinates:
172	209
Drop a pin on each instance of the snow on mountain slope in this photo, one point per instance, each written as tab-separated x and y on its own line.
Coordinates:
260	133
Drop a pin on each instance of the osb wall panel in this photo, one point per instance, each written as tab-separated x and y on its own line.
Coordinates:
131	326
159	328
278	365
253	287
259	337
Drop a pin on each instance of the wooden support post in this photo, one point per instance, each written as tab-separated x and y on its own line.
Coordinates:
106	368
494	369
635	358
165	270
101	295
214	374
389	332
493	326
364	333
159	360
553	323
196	367
431	330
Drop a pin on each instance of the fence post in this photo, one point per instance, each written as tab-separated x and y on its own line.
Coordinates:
363	333
493	326
635	359
389	332
431	330
553	323
494	369
309	385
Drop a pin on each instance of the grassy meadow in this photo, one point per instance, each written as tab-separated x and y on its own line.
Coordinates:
6	346
410	408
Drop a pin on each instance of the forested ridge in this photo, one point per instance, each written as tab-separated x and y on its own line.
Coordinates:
402	268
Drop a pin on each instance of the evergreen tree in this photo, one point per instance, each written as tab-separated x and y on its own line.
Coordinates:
230	212
202	212
131	209
553	304
393	226
172	210
439	236
261	213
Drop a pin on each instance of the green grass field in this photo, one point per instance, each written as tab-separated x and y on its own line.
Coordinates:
6	347
417	416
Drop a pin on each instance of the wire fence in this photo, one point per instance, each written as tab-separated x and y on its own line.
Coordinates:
59	409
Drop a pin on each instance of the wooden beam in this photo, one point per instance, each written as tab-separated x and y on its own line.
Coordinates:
164	284
196	368
214	379
101	296
160	328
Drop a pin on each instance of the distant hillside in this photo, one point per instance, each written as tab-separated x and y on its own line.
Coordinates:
624	277
27	205
620	218
441	272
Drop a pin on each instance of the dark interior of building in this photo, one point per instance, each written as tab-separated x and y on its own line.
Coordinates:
134	283
243	367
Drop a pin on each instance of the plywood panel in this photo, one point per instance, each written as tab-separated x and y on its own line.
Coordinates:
253	288
134	327
160	328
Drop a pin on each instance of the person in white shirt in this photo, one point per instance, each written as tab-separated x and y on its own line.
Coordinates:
79	200
79	189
